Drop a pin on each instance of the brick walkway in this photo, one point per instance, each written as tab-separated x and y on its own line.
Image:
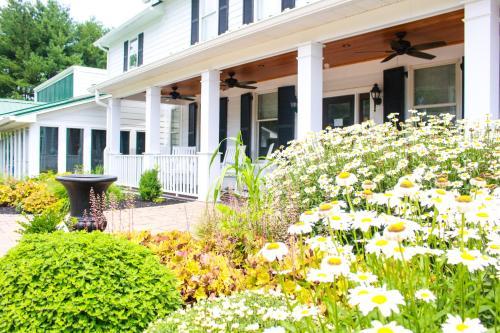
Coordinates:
181	216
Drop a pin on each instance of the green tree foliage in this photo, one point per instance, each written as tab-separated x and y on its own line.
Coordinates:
38	40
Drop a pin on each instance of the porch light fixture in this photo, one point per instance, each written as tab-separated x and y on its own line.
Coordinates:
375	94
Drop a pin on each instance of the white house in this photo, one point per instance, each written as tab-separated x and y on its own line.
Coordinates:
65	127
300	65
312	64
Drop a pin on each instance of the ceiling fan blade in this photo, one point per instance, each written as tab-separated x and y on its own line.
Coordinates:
247	82
243	86
187	98
373	51
393	55
166	96
418	54
431	45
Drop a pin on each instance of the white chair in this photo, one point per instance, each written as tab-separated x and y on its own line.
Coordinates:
181	150
230	155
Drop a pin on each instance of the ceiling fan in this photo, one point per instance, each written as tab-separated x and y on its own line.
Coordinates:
232	82
174	94
401	46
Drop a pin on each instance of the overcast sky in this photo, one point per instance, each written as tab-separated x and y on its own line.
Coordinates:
110	12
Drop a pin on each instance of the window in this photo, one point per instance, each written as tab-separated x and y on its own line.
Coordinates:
125	142
267	122
133	53
74	149
267	8
140	143
364	107
209	21
175	127
435	89
48	148
97	151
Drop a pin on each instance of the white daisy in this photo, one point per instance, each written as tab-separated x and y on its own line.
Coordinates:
472	259
386	301
406	187
339	221
309	216
320	242
346	179
300	228
399	229
425	295
275	329
455	324
363	277
301	311
378	243
274	251
318	275
392	327
337	265
364	220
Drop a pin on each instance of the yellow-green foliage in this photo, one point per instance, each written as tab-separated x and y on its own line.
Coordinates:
6	195
30	196
38	201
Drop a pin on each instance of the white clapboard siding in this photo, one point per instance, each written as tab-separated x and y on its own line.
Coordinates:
14	153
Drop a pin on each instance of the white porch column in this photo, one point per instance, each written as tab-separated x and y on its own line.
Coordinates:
112	132
61	149
481	49
34	150
209	133
87	150
153	103
309	88
133	142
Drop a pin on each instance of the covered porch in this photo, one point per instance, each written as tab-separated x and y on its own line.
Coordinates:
311	85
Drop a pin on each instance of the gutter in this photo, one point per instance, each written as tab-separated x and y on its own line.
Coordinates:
97	99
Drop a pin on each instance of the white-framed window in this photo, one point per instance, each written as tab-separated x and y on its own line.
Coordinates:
436	88
208	19
267	122
175	126
133	53
267	8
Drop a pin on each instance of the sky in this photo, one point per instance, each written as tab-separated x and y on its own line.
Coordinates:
111	13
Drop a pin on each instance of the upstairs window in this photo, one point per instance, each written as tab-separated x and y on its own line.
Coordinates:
133	52
209	21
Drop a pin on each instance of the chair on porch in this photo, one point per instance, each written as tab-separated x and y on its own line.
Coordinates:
230	156
182	150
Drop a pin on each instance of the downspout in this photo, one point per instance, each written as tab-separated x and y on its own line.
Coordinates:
97	99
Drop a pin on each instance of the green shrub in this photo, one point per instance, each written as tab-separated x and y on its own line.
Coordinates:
116	192
45	222
92	282
149	185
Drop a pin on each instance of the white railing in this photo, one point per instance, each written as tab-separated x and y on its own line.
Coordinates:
178	173
128	169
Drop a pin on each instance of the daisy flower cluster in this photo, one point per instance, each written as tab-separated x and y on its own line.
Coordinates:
402	230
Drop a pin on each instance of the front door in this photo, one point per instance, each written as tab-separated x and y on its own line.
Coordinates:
338	111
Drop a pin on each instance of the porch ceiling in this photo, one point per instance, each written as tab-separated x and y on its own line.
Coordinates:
447	27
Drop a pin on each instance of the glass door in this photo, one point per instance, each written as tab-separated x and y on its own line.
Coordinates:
48	148
97	150
74	149
338	111
364	107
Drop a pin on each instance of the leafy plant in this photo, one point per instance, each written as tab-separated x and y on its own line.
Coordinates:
37	201
90	282
116	192
98	170
45	222
149	185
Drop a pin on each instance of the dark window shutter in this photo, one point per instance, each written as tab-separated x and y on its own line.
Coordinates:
140	143
246	121
286	115
287	4
195	21
394	92
125	56
193	107
223	125
247	11
125	142
140	57
223	16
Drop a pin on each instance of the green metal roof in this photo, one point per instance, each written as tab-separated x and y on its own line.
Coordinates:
46	106
10	105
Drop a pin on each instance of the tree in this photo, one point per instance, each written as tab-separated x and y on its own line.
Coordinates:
39	40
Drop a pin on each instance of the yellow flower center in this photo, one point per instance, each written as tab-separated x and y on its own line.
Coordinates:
407	184
467	256
482	214
334	261
425	295
381	242
323	275
344	175
440	191
363	277
334	202
299	224
479	179
335	218
385	330
442	180
397	227
367	192
362	292
464	198
461	327
325	206
388	195
495	247
321	239
379	299
305	312
273	246
308	212
399	249
366	219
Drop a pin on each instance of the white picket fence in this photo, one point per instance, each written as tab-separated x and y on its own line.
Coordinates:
178	174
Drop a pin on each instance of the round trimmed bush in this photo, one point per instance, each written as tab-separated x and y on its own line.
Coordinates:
90	282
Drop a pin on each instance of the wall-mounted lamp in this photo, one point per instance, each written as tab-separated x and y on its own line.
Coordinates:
375	94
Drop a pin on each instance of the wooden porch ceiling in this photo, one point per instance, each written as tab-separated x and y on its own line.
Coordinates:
447	27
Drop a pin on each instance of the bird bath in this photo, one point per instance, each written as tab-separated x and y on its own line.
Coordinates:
79	188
